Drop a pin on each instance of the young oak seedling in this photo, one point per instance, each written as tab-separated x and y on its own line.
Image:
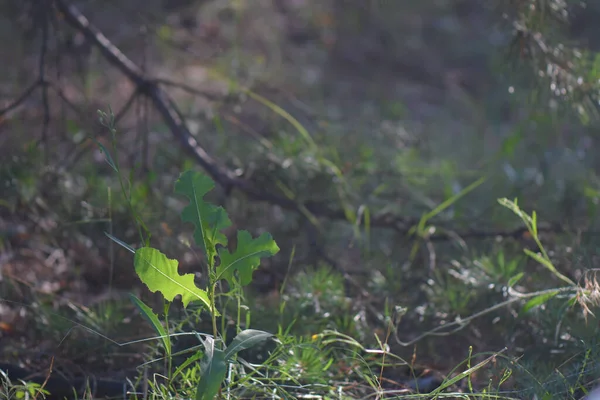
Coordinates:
160	274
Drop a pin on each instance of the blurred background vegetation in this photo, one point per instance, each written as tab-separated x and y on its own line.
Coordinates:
336	125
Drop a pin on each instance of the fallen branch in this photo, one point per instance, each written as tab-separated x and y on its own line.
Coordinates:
175	121
150	87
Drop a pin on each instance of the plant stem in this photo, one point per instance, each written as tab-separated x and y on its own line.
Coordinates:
169	358
211	296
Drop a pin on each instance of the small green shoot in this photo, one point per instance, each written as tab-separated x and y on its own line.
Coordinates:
160	274
531	225
422	230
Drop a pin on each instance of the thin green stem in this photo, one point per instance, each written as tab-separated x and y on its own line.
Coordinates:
211	296
169	358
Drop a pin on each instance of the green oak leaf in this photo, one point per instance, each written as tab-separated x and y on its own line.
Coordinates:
160	274
208	219
246	257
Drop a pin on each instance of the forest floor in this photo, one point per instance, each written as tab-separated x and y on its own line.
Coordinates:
418	93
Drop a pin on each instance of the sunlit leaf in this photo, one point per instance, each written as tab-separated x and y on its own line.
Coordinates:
548	264
160	274
246	257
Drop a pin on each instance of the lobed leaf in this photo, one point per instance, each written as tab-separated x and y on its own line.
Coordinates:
160	274
208	219
246	257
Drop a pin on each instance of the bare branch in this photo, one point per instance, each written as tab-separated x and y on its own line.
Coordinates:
175	121
21	99
170	113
